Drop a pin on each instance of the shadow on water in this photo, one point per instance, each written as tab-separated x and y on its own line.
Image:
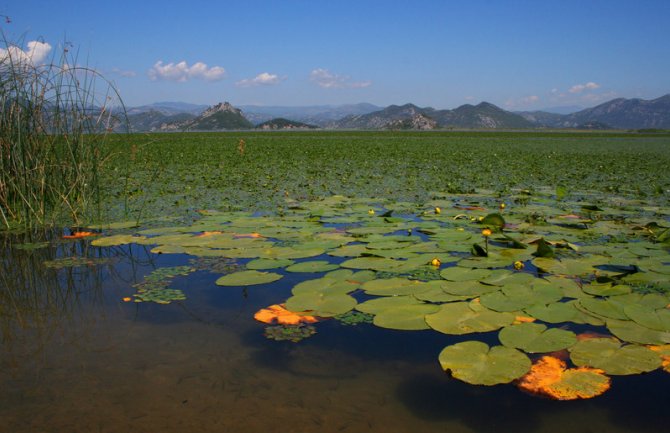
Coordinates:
636	403
436	397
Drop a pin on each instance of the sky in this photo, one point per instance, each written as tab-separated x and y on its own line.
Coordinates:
519	55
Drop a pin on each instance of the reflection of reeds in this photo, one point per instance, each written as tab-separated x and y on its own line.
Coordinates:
52	124
39	303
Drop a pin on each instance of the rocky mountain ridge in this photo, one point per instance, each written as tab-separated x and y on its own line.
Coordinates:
618	113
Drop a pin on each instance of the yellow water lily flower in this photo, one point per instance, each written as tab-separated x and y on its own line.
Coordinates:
518	265
486	232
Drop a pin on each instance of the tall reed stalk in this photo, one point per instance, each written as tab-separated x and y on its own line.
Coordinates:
53	124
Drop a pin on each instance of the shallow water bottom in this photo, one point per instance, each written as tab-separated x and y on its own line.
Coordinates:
203	365
146	377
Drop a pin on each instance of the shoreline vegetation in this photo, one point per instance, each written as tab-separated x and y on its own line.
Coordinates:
54	121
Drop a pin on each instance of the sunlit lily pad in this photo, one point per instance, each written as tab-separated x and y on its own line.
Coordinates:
634	333
406	317
264	264
536	338
559	312
326	286
322	305
516	297
569	267
658	319
610	356
474	362
113	240
377	305
249	278
394	287
549	377
373	263
460	318
312	266
458	273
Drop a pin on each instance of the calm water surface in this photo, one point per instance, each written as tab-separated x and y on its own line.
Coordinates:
75	358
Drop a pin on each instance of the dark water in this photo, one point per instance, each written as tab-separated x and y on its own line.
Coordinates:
75	358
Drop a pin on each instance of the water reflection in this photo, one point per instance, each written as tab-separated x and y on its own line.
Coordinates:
74	358
54	289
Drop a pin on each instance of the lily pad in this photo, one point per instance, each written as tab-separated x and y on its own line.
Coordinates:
249	278
658	319
264	264
611	356
375	306
476	363
536	338
312	266
549	377
394	287
459	318
634	333
322	305
113	240
405	317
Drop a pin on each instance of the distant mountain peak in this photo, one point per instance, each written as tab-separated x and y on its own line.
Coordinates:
221	107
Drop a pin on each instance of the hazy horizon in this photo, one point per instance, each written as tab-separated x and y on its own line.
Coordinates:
518	55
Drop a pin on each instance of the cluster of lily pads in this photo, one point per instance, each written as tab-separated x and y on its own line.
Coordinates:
291	333
528	268
155	287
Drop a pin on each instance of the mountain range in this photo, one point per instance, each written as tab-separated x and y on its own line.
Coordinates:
618	113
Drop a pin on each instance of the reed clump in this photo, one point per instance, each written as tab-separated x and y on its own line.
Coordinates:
53	123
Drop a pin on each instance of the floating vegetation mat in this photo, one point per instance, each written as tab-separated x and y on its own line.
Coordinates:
291	333
535	270
155	287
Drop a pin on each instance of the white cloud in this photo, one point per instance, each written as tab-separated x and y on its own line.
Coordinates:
182	71
36	53
578	88
263	79
326	79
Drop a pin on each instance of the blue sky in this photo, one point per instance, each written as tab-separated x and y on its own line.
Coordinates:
515	54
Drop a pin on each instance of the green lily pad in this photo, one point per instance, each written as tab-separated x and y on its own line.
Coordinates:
312	266
634	333
610	356
264	264
377	305
458	318
248	278
569	267
458	273
474	362
515	297
536	338
606	289
114	240
325	286
394	287
373	263
658	319
320	304
405	317
559	312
